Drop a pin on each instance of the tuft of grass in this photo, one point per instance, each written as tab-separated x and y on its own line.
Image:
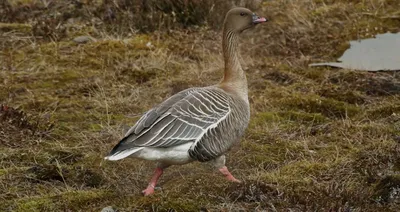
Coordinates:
12	27
290	116
326	106
73	200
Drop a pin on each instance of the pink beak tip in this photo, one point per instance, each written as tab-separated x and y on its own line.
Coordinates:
260	20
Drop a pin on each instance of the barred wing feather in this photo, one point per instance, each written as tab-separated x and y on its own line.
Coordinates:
184	117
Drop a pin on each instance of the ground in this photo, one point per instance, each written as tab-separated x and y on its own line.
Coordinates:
320	139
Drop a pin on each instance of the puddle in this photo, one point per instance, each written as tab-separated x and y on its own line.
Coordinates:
374	54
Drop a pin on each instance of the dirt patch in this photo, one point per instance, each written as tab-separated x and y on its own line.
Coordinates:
72	176
252	191
279	77
16	124
341	94
387	190
372	84
65	157
47	173
328	107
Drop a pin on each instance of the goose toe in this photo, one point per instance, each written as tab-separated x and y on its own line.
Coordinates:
148	191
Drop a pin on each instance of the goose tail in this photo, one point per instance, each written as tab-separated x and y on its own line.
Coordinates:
120	151
122	154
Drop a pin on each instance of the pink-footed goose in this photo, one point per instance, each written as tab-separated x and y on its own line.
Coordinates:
197	123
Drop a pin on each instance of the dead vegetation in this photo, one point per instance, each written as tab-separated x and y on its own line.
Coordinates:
320	139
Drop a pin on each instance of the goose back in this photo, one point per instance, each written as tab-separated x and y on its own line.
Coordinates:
212	119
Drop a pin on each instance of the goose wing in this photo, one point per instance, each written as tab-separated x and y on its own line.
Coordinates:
184	117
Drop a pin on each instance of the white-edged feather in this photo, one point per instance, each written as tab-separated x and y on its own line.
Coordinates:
123	154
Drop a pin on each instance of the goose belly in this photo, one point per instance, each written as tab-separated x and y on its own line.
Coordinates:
176	155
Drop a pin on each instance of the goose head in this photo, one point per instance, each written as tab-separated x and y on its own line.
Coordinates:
239	19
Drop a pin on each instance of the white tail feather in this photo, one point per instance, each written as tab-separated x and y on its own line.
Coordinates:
123	154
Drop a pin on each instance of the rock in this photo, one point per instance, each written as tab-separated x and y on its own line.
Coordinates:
83	39
108	209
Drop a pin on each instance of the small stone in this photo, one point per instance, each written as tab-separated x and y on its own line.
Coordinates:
83	39
108	209
149	45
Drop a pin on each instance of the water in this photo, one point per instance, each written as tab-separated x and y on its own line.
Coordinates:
374	54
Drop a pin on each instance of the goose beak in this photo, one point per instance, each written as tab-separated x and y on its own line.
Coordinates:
257	19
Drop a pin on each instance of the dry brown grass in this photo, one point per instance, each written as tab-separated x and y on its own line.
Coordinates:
320	139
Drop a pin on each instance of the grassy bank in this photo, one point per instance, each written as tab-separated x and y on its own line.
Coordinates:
319	139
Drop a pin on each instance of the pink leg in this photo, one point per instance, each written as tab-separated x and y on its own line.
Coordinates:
224	170
150	188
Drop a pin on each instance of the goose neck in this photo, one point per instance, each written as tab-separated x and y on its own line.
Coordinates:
234	77
231	56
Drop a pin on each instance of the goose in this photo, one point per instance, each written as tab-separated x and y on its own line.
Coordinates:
200	123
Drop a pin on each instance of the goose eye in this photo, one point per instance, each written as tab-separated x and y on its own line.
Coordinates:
242	14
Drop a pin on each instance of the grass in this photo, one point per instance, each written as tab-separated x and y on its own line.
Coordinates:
319	139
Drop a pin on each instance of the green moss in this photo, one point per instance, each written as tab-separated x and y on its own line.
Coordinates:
96	127
305	168
341	93
315	104
64	157
138	76
179	204
316	74
271	151
265	117
7	27
288	116
3	172
23	157
40	104
24	2
263	160
303	117
113	46
376	130
297	179
383	111
12	170
36	204
73	200
63	172
80	117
